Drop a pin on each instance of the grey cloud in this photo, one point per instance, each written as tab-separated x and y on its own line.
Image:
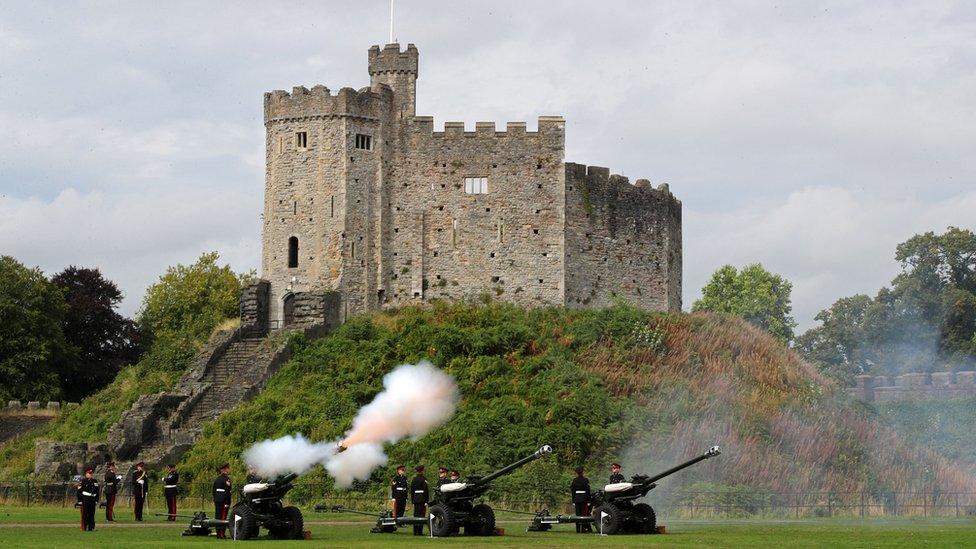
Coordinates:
809	136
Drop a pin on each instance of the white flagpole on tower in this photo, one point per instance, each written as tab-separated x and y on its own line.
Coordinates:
391	23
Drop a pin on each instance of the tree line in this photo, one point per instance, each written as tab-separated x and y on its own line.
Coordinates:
924	321
62	337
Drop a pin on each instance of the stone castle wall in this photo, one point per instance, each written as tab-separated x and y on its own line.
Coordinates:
391	224
915	386
622	241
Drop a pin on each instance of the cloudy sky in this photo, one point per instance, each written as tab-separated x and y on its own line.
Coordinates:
809	136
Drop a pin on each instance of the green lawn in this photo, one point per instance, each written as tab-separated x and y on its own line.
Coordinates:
54	527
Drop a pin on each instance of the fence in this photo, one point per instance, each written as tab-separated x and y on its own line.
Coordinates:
731	503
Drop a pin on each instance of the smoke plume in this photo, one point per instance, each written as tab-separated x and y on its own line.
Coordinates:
415	400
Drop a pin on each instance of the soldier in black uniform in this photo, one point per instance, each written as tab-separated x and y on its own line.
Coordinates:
111	490
419	495
140	487
88	499
442	476
580	492
170	489
252	476
398	491
455	476
615	475
221	497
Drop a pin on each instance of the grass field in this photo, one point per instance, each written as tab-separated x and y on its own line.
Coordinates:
55	527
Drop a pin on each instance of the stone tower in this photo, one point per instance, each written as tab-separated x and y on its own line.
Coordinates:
365	200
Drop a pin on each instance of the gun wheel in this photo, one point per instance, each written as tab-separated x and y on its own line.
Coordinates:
442	520
296	530
645	521
243	525
607	519
481	521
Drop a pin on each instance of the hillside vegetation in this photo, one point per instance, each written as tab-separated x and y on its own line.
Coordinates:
649	389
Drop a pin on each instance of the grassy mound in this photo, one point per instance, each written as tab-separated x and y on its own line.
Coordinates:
946	426
649	389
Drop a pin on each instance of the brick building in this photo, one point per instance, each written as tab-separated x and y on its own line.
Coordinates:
366	201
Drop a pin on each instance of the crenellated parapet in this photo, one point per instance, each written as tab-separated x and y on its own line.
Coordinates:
599	179
915	386
391	59
318	103
548	126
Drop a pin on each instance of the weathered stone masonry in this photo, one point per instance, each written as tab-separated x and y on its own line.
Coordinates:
375	202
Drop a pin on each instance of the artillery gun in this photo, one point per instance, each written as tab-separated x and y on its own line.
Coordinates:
200	524
455	505
614	510
260	505
386	523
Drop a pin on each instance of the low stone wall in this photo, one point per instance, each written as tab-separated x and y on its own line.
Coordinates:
18	418
915	386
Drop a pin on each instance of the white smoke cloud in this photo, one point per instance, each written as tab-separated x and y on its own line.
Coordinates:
415	400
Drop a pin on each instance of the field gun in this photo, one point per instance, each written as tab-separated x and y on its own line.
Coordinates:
455	505
260	505
200	524
614	510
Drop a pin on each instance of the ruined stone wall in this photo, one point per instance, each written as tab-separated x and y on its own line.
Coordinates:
508	242
622	241
915	386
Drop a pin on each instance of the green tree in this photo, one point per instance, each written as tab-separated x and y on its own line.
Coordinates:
925	321
31	311
755	294
191	300
105	340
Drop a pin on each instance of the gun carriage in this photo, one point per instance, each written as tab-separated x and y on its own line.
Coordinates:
614	510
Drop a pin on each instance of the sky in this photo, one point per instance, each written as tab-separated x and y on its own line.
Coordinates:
811	137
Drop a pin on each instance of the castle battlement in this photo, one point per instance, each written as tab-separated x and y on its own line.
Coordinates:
304	103
598	177
915	386
547	126
391	59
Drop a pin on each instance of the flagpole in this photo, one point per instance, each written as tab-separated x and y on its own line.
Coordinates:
391	22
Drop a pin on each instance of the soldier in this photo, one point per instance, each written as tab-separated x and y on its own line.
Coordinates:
170	489
455	476
419	495
615	476
111	490
140	487
88	499
580	492
398	491
221	497
441	477
252	476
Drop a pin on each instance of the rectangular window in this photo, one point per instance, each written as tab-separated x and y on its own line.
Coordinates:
476	185
301	140
364	142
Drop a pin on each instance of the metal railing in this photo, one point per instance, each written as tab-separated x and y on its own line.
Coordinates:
731	503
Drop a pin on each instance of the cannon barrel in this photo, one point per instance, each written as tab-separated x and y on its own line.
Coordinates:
712	452
281	481
541	452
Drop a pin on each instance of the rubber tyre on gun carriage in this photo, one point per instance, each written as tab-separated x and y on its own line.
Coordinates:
481	521
246	527
297	528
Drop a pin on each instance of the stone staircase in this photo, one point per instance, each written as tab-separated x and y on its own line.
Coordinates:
234	368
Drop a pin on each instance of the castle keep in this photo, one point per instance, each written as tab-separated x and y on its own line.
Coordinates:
366	202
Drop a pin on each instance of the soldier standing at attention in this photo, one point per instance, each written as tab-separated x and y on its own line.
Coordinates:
170	490
615	475
140	487
419	495
398	491
580	491
221	497
88	499
111	490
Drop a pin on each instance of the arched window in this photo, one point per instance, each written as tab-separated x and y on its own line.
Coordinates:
293	252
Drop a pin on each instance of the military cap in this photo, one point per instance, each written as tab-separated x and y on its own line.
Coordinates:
419	468
141	464
442	469
579	470
89	469
617	465
224	466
